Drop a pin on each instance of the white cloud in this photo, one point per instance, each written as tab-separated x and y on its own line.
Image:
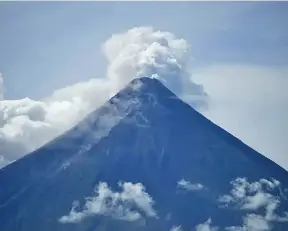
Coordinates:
252	222
138	52
189	186
206	226
3	162
252	197
176	228
249	101
128	205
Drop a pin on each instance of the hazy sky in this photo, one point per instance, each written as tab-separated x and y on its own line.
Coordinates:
239	50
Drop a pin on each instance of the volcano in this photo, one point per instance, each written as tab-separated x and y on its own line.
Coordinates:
145	160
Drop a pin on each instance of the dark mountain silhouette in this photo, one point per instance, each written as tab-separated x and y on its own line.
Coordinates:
144	134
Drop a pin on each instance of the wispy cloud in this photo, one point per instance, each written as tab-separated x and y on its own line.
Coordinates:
128	204
189	186
176	228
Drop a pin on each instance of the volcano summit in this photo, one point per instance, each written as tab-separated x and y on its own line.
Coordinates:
145	160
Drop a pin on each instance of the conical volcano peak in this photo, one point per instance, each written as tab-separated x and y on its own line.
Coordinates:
144	84
143	87
145	80
143	95
143	161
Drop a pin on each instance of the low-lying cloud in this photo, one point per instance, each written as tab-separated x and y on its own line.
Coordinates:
253	197
129	204
176	228
206	226
252	222
138	52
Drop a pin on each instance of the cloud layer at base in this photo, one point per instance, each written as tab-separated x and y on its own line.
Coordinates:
127	205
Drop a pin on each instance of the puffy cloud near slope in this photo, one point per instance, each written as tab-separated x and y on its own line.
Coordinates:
252	222
27	124
256	196
206	226
176	228
138	52
125	205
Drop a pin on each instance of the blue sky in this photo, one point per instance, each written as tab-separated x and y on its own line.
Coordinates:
53	44
239	50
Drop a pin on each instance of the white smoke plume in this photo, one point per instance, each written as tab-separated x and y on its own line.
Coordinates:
27	124
145	52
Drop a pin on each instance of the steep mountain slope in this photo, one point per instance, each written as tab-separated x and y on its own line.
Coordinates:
143	137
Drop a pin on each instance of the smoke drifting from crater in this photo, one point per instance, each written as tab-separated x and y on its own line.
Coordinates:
138	52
